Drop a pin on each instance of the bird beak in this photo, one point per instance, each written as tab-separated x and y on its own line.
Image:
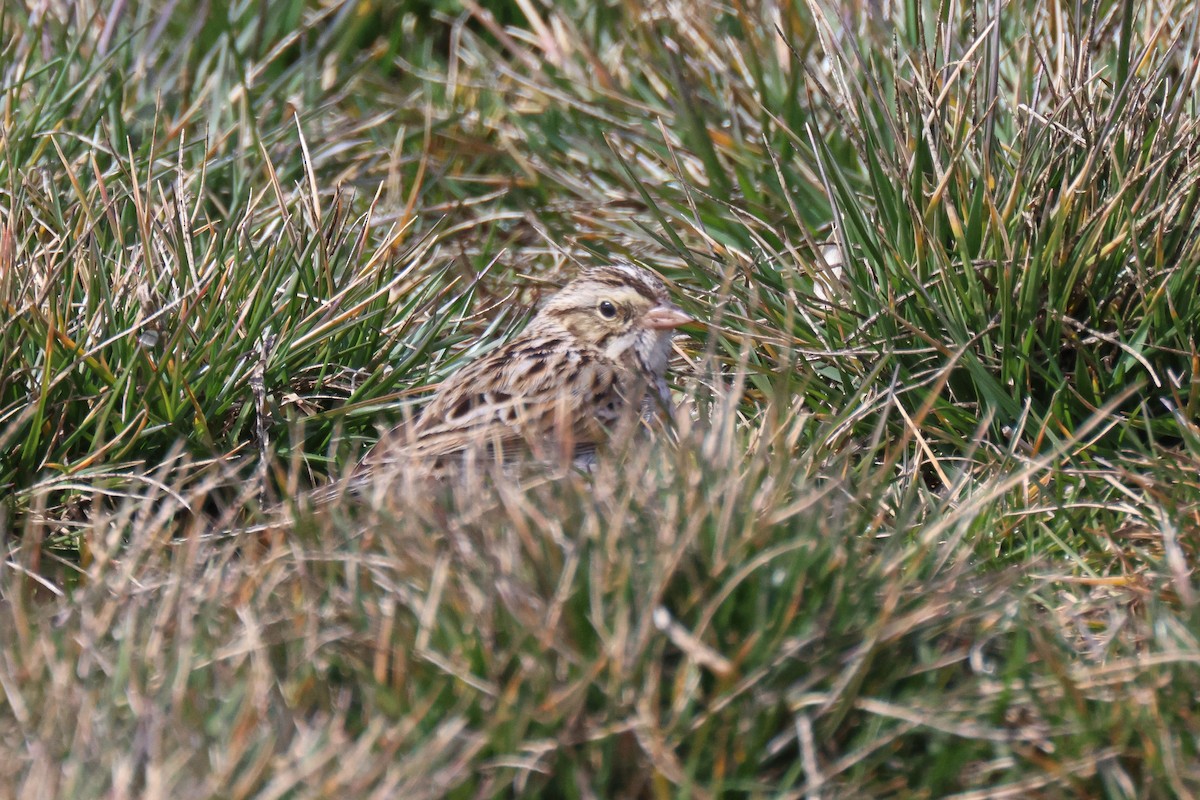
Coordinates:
664	317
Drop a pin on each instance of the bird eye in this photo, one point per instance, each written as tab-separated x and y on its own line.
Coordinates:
607	309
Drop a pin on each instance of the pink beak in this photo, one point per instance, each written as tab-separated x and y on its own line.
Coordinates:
664	317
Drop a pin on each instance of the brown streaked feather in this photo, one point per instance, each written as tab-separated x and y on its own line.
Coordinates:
513	399
557	389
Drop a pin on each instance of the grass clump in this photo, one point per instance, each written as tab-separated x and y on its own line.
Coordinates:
928	525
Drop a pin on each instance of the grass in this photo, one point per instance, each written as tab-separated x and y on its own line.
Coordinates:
928	525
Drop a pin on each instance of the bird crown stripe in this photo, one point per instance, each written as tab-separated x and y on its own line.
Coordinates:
640	280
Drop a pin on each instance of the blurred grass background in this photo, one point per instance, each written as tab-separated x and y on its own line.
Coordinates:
930	523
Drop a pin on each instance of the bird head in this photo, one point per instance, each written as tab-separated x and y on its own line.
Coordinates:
620	309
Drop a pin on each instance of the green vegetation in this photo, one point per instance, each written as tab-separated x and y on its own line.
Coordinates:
929	525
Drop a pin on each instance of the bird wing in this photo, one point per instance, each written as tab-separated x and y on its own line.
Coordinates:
536	394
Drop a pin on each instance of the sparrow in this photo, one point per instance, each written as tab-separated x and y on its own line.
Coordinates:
592	360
